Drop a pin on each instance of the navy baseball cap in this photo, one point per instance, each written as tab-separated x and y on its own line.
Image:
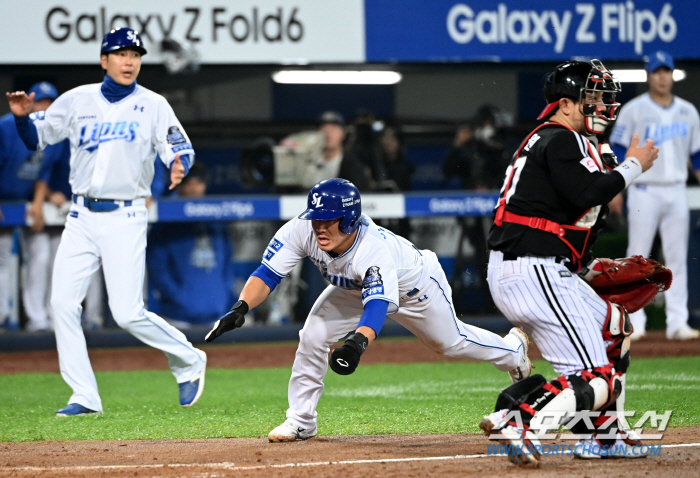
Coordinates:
331	117
658	60
43	90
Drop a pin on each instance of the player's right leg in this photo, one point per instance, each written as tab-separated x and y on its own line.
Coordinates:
335	313
6	239
77	259
123	249
36	282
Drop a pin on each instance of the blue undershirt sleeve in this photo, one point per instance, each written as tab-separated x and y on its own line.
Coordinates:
374	315
620	151
186	162
695	159
27	131
267	276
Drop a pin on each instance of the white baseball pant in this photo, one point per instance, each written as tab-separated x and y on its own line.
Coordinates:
432	319
557	309
117	239
664	208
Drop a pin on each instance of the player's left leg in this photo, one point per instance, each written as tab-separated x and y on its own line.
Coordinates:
429	315
675	232
335	313
122	245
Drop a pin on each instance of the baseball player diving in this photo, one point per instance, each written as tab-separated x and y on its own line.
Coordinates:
551	208
115	129
372	273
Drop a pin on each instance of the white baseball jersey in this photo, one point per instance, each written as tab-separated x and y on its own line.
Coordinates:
379	263
675	129
113	145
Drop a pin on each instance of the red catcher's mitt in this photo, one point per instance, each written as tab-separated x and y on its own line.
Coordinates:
632	282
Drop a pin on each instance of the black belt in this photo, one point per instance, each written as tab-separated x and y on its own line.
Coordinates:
507	256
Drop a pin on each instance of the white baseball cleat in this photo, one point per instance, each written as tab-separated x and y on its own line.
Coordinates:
290	431
522	446
683	333
525	368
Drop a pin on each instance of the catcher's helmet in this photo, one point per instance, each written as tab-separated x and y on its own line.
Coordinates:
120	38
334	199
583	81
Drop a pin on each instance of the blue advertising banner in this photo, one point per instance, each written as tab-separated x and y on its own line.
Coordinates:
539	30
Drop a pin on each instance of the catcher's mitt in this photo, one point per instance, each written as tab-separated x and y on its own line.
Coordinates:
632	282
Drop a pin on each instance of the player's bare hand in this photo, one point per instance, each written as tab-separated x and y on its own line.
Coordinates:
20	103
35	217
177	172
57	198
233	319
645	154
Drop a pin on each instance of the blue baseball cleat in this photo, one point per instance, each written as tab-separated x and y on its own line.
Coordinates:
74	409
192	390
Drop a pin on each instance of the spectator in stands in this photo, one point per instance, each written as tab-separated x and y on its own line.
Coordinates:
190	265
335	162
397	169
466	161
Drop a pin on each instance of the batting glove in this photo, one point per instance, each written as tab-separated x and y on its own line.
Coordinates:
344	360
233	319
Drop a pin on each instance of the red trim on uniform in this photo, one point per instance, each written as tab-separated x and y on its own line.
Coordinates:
588	376
548	109
551	388
527	408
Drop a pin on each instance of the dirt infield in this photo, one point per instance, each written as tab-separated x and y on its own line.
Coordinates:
339	456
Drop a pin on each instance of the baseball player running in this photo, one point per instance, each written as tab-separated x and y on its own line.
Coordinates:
372	273
551	208
657	199
115	130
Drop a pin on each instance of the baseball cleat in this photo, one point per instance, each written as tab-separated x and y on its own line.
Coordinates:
290	431
192	390
74	410
591	449
525	368
683	333
522	446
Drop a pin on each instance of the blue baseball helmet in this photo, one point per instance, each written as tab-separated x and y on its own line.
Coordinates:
120	38
335	199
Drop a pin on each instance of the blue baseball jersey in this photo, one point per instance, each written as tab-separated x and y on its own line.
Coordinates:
19	166
675	129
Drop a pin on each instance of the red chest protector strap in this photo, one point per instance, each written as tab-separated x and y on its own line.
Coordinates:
539	222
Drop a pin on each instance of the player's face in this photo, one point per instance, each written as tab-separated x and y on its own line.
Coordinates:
329	238
661	81
122	66
335	134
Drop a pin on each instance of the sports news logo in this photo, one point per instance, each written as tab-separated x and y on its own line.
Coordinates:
546	423
316	200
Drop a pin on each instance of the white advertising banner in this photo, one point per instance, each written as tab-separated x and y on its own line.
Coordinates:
221	32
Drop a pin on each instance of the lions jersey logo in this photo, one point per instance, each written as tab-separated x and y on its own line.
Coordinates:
174	135
372	283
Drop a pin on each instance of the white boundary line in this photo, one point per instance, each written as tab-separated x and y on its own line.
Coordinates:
233	467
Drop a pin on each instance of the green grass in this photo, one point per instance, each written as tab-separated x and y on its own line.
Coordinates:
377	399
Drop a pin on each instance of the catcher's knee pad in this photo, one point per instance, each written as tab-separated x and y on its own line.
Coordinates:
512	397
617	329
606	385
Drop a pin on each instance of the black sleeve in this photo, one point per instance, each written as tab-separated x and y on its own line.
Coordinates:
565	155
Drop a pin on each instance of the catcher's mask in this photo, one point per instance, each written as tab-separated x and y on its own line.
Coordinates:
589	83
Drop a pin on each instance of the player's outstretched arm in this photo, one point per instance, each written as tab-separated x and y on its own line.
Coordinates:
20	103
253	294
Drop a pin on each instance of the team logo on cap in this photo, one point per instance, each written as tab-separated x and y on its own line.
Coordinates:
316	200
